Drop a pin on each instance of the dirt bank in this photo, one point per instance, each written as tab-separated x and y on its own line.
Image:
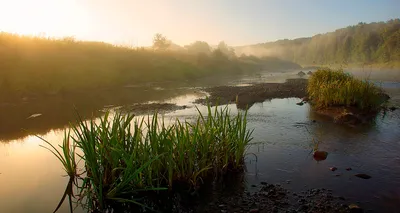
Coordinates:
150	108
246	96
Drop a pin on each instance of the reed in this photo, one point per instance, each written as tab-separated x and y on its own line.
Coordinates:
327	87
125	157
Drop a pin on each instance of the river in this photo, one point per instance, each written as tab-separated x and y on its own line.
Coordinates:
31	179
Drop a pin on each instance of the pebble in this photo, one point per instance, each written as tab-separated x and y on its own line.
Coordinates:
333	169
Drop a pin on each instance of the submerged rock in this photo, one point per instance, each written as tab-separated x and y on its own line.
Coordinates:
392	108
347	118
363	176
34	116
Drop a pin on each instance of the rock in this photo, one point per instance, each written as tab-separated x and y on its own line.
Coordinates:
310	73
355	209
320	155
264	183
305	99
223	211
300	103
301	73
333	169
288	181
348	169
363	176
392	108
253	185
254	210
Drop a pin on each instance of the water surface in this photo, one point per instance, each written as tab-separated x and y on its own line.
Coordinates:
31	179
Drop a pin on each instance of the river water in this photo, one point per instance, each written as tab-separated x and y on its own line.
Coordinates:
31	179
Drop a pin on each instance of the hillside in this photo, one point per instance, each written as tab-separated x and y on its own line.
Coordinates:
373	43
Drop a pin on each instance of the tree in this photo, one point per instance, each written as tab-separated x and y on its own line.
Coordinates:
160	42
226	50
199	47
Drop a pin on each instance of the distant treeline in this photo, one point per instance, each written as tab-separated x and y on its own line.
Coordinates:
373	43
32	66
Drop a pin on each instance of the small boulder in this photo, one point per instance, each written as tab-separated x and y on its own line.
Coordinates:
320	155
310	73
355	208
305	99
333	169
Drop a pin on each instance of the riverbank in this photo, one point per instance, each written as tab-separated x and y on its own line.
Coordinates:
246	96
393	65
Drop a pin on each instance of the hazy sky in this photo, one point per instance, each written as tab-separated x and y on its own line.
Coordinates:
237	22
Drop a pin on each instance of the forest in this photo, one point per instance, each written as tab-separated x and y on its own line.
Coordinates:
32	66
361	44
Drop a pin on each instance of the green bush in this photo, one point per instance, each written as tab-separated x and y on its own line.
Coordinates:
327	87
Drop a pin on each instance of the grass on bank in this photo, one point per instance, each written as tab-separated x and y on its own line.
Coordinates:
123	156
327	87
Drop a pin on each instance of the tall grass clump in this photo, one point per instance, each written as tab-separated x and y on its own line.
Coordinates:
123	158
327	87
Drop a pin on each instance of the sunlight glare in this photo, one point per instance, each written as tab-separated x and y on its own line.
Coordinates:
51	18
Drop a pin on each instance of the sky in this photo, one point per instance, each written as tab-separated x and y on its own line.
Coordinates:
237	22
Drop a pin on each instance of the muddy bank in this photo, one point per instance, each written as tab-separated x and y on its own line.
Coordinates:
246	96
275	198
150	108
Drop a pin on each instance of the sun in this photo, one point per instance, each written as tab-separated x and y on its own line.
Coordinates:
34	17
